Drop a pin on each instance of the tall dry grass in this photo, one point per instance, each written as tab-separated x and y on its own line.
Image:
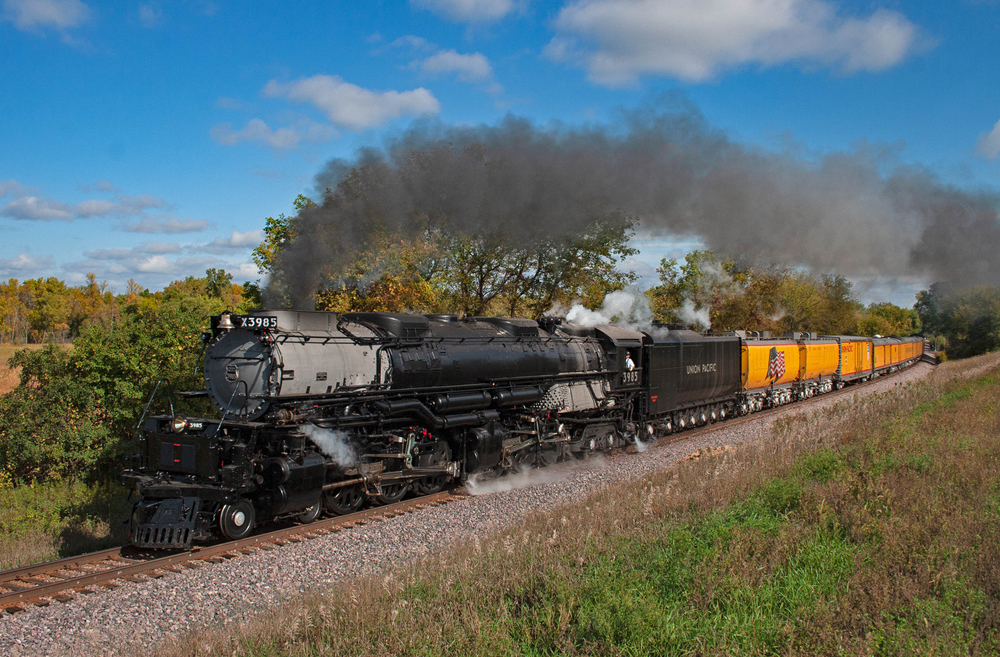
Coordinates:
10	376
869	528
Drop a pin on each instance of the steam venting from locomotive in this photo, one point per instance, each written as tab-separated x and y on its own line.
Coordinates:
858	213
335	444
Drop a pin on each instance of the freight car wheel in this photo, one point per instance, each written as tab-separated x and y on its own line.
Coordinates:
236	520
343	500
392	493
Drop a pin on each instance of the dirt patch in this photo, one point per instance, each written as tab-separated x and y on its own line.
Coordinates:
10	377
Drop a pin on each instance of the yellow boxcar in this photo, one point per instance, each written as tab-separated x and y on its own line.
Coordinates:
855	356
818	358
879	352
763	359
886	352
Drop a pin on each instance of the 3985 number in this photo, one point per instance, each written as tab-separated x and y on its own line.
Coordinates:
630	377
259	322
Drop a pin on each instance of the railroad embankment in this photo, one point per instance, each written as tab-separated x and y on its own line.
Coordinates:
869	527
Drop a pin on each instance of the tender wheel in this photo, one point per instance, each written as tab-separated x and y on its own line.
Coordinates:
430	485
236	520
310	514
392	493
343	500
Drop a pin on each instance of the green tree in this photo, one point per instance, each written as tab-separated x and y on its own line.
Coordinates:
278	232
888	319
967	320
74	407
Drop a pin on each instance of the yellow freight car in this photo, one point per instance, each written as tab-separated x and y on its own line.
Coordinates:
856	357
769	363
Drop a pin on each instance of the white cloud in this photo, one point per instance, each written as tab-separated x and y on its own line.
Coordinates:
468	68
150	15
25	263
136	252
153	264
227	103
413	42
37	209
158	247
170	226
235	241
280	139
100	186
619	40
11	188
109	254
351	106
988	145
123	206
244	271
468	11
37	14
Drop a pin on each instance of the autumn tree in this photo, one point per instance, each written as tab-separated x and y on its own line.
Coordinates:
758	298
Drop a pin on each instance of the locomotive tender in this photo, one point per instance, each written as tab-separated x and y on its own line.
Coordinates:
321	412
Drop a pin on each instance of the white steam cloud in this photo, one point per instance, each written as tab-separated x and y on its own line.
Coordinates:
623	307
691	314
335	444
525	477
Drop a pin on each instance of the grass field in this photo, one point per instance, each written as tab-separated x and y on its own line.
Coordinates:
8	376
49	521
873	532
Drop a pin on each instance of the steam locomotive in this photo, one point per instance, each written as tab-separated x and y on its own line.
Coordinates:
320	412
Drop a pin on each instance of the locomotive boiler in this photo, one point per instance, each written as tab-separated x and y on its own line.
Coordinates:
323	413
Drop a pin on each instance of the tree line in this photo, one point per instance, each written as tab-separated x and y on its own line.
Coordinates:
75	408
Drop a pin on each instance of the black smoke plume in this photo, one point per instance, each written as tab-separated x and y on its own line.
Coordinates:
853	213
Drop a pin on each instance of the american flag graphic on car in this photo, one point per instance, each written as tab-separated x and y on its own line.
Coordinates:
776	364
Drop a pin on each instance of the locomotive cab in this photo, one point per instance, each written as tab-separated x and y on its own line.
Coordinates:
624	350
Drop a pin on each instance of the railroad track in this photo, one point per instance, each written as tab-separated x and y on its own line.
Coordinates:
62	580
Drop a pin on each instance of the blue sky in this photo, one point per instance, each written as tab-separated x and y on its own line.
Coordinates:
149	140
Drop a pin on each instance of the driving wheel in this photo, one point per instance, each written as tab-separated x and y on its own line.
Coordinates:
343	500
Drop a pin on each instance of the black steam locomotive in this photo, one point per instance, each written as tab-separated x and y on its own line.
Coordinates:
321	412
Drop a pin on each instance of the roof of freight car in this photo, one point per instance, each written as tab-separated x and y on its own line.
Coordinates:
684	335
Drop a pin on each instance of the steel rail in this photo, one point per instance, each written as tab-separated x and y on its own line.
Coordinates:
37	593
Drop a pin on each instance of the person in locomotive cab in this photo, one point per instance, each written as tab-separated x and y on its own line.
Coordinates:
629	363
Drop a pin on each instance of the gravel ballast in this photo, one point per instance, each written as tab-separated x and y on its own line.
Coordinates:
137	616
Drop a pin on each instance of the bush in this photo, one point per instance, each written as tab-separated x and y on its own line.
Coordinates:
73	409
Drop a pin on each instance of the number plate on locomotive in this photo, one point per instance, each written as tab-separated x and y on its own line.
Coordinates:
259	322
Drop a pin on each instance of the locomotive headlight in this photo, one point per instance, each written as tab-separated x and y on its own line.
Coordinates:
179	423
